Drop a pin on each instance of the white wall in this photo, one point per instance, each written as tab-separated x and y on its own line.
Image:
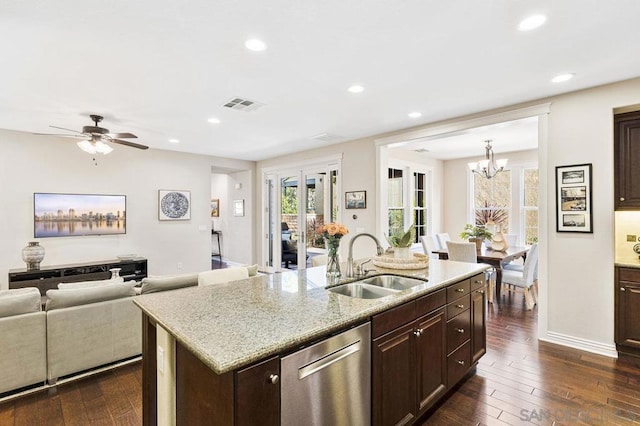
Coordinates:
238	235
456	188
31	164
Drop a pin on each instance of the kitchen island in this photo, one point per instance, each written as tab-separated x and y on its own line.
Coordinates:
225	334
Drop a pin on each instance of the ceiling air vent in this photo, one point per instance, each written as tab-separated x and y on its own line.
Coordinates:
327	137
243	104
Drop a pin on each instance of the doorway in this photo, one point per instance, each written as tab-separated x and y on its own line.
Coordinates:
299	201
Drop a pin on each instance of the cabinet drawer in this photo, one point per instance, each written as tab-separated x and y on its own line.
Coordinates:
458	330
629	274
393	318
431	302
459	306
460	289
478	281
458	363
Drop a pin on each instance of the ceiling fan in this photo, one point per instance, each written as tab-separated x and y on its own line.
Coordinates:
94	137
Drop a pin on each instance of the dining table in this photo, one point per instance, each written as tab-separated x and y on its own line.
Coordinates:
494	258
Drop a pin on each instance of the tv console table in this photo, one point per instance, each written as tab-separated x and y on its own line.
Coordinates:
48	277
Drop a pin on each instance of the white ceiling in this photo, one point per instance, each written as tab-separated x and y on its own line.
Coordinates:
161	68
515	135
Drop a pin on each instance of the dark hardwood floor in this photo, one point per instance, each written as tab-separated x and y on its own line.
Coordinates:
518	381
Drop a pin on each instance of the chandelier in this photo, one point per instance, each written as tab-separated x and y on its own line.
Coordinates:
489	167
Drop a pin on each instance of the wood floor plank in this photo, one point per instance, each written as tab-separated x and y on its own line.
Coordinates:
73	410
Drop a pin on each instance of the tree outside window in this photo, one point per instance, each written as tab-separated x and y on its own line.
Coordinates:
530	205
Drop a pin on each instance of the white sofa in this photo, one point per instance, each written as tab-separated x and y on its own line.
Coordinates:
23	355
84	325
91	326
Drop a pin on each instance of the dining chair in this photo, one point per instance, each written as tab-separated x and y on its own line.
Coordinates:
429	244
525	279
512	239
442	240
467	252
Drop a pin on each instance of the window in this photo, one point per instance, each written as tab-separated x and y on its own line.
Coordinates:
408	194
420	205
492	199
395	206
530	205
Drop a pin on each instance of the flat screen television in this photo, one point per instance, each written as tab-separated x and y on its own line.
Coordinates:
71	215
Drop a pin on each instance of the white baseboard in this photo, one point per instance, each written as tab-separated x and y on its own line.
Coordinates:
592	346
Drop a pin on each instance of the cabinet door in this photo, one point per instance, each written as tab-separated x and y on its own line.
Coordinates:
478	324
431	359
628	315
627	158
393	357
258	394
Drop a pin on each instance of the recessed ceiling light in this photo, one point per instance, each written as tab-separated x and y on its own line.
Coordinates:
415	114
174	141
356	88
255	45
214	120
532	22
562	78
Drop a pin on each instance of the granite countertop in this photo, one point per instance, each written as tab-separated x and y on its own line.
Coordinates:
628	262
230	325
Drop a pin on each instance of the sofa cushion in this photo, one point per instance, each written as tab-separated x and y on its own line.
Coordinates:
85	284
19	301
219	276
155	284
81	296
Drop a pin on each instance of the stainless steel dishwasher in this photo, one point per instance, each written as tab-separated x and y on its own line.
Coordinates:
329	383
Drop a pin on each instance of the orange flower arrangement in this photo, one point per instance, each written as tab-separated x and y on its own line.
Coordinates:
333	230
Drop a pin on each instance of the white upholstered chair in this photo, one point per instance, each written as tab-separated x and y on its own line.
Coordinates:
429	244
442	239
512	239
320	259
526	278
466	252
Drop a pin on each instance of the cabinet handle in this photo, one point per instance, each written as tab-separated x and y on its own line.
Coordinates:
461	362
621	198
273	379
460	290
460	306
481	291
478	281
623	289
460	330
418	332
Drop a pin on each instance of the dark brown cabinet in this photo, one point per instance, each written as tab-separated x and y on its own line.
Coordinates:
478	318
627	161
425	347
409	372
627	307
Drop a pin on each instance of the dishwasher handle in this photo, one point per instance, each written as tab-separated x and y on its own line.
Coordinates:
326	361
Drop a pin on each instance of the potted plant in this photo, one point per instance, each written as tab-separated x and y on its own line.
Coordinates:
476	234
401	242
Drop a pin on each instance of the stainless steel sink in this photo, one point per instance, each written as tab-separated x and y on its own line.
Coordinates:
363	291
375	287
393	282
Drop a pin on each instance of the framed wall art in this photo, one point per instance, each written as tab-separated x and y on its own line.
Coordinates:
238	207
174	205
355	200
574	212
215	207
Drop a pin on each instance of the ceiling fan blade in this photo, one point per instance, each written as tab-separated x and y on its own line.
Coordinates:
122	135
69	130
80	136
131	144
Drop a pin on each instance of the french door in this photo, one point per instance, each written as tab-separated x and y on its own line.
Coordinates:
298	202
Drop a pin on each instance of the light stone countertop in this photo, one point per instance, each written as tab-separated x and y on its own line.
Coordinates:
628	262
231	325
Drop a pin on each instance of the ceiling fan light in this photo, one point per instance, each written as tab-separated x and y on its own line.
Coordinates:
103	148
87	147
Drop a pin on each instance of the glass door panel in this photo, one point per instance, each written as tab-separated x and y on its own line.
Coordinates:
290	230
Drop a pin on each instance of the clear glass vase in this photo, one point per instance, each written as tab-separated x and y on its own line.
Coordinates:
333	261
